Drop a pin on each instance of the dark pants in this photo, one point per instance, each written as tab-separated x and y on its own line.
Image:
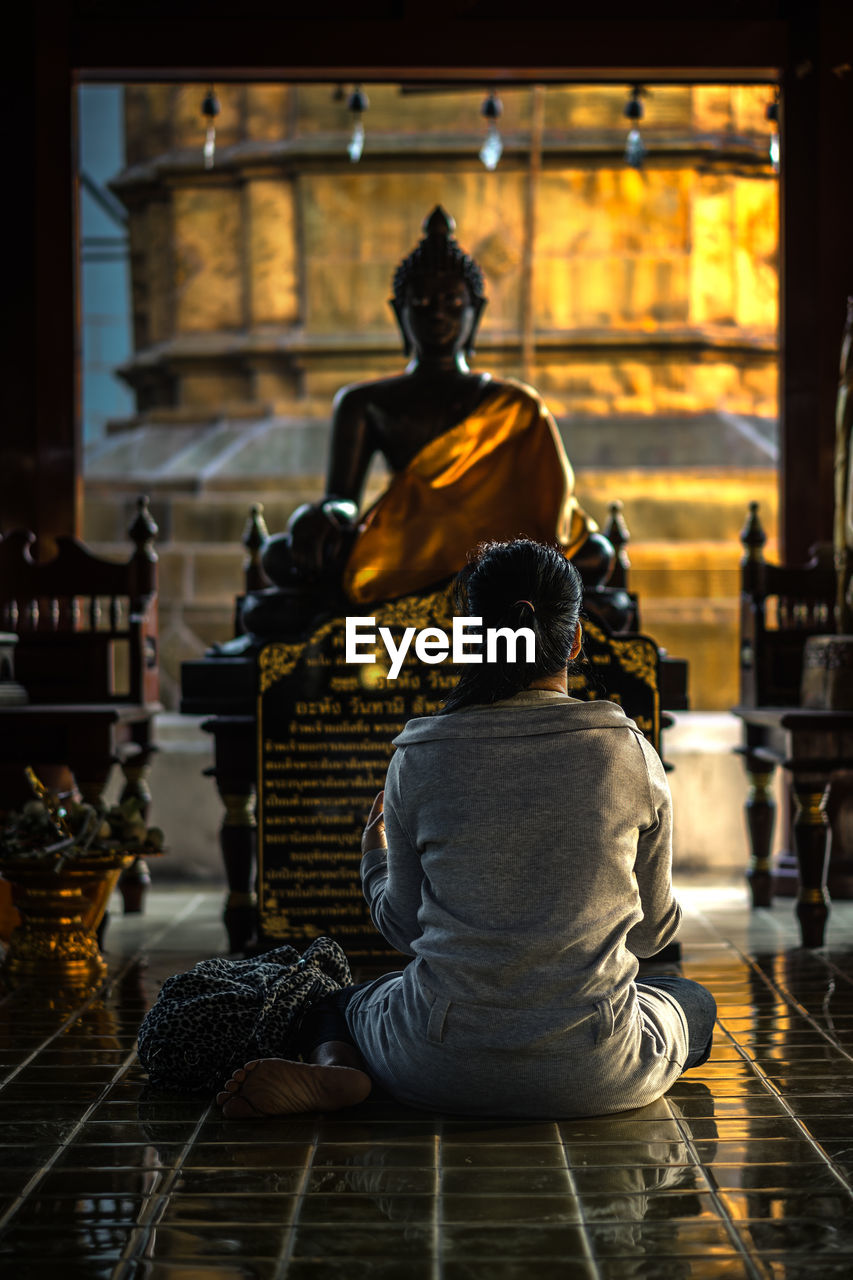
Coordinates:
699	1008
326	1020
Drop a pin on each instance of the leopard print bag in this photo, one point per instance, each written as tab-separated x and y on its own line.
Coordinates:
222	1013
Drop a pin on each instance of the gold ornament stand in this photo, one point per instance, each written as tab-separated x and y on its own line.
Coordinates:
56	941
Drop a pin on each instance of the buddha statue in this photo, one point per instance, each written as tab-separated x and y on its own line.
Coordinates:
471	457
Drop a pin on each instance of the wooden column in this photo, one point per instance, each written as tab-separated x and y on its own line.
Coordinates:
40	480
817	263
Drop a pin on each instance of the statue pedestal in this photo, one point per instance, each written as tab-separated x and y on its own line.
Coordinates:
289	611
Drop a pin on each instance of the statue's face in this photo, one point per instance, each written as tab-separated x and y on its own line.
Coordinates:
438	313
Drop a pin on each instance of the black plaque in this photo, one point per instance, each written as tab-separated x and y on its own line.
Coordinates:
324	740
325	728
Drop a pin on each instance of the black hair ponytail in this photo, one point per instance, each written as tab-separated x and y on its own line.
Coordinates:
513	585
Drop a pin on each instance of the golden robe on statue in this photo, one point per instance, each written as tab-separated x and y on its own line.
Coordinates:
501	473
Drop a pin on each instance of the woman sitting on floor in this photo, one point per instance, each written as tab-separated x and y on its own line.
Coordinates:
522	857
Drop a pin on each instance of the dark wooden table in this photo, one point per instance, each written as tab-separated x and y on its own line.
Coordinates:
85	737
811	746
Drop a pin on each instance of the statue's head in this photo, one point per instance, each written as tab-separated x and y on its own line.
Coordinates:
438	290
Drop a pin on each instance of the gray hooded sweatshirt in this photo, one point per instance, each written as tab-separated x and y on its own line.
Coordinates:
528	865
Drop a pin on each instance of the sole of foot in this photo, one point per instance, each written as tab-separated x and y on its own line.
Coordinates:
278	1086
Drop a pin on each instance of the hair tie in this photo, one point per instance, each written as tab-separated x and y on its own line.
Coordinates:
527	602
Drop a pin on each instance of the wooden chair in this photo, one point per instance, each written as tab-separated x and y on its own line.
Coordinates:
87	657
780	607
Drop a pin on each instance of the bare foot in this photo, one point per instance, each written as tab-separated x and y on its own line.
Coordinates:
277	1086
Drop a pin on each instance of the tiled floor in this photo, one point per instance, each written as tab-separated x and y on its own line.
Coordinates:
744	1169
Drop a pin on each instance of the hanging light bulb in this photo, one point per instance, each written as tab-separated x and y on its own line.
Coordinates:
492	149
772	116
357	104
635	151
210	110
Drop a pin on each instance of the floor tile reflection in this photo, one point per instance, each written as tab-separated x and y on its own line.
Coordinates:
745	1169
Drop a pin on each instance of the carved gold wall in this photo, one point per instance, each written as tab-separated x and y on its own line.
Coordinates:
615	290
640	299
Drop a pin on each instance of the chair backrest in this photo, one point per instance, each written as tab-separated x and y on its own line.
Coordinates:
780	607
86	627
